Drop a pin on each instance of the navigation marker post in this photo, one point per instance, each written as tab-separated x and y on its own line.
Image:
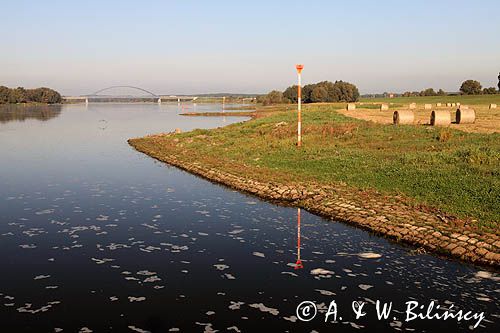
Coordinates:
298	264
299	97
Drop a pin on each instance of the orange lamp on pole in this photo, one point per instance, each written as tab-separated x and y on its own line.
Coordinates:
299	97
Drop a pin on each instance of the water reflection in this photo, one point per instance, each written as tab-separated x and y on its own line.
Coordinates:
298	263
95	236
22	112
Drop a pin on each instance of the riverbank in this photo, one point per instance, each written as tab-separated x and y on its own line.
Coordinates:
381	178
221	114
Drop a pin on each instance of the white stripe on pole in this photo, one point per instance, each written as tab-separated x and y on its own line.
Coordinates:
299	126
299	68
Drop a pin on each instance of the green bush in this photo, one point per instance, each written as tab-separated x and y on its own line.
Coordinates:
489	91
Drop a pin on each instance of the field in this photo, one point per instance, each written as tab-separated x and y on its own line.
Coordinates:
441	168
464	99
487	121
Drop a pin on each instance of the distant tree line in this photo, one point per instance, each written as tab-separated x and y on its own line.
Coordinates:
468	87
21	95
425	92
325	91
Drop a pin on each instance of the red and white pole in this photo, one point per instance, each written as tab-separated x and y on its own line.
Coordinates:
299	97
298	263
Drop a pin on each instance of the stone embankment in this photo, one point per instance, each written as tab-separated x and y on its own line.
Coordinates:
387	216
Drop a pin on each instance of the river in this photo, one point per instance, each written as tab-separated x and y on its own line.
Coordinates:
96	236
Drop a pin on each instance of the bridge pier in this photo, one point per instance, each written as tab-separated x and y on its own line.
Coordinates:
159	100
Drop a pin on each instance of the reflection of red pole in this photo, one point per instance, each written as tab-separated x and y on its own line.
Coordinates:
298	264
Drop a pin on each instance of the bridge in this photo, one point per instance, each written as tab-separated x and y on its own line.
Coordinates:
149	95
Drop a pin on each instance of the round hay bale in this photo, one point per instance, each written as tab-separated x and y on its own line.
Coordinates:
384	107
351	106
413	105
440	118
493	106
404	117
438	104
427	106
465	116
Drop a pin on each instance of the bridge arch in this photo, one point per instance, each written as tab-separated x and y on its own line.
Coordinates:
131	87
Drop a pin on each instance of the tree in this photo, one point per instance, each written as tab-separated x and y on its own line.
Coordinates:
4	94
18	95
306	92
428	92
335	92
274	97
319	94
325	91
21	95
410	94
348	91
489	91
291	94
470	87
498	81
46	95
441	92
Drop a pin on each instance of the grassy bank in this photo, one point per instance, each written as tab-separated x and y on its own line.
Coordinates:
447	169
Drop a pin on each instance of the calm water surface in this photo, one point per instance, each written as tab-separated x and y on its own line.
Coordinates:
95	236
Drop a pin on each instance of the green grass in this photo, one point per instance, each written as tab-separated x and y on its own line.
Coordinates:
464	99
451	170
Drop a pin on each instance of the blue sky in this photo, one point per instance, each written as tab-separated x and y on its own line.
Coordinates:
187	47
